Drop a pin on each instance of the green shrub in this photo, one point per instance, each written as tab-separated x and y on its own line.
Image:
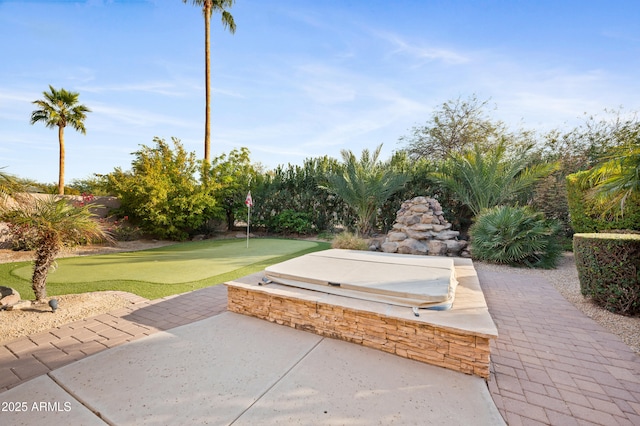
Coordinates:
609	270
162	192
349	241
587	217
515	236
291	221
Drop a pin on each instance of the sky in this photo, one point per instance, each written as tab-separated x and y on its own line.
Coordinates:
301	78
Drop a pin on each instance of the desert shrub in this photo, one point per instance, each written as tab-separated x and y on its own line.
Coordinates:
609	270
298	188
121	229
22	237
162	192
515	236
290	221
587	216
349	241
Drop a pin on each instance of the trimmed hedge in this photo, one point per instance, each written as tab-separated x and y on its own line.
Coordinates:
609	270
586	217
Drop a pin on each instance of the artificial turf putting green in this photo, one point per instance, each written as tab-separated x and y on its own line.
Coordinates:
166	270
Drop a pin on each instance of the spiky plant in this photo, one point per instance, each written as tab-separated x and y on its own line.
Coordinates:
55	223
365	185
482	178
515	236
617	176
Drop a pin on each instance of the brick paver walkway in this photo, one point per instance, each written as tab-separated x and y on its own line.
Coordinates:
551	365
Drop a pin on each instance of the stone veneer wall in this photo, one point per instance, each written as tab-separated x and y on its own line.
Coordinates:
448	348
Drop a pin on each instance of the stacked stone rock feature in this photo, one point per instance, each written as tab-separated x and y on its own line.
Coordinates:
420	228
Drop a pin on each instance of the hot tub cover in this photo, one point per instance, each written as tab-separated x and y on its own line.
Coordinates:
399	279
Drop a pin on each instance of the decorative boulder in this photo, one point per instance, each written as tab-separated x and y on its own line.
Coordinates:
8	297
420	228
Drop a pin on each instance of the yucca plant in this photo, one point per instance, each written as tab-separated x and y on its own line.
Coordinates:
516	236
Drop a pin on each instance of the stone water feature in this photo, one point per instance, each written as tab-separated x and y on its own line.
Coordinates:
420	228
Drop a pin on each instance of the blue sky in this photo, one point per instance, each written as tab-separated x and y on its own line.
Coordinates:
301	78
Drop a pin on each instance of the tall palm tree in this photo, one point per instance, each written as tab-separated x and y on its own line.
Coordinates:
55	223
60	108
208	7
365	185
482	178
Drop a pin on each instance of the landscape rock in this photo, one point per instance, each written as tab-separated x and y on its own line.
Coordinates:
23	304
8	297
389	247
420	228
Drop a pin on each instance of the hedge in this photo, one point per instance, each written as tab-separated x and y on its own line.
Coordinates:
609	270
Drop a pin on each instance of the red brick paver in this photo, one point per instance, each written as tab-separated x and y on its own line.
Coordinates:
552	365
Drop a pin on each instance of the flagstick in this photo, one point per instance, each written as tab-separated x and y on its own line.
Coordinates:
248	219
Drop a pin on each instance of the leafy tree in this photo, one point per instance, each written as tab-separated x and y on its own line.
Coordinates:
484	178
456	126
208	7
233	172
60	108
365	185
162	193
53	223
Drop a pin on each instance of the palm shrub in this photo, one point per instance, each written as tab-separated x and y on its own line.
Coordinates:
617	177
483	178
365	184
54	223
515	236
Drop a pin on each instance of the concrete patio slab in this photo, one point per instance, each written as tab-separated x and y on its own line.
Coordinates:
42	402
343	383
234	369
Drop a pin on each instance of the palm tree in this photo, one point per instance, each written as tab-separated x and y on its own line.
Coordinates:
365	185
482	178
55	223
617	176
60	108
208	7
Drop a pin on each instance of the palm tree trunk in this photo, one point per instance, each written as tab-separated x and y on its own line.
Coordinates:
207	71
61	166
45	256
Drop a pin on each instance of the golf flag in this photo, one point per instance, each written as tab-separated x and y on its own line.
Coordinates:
249	202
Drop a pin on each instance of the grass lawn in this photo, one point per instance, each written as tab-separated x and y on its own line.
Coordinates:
162	271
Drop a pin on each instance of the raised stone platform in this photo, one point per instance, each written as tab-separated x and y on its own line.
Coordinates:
457	339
